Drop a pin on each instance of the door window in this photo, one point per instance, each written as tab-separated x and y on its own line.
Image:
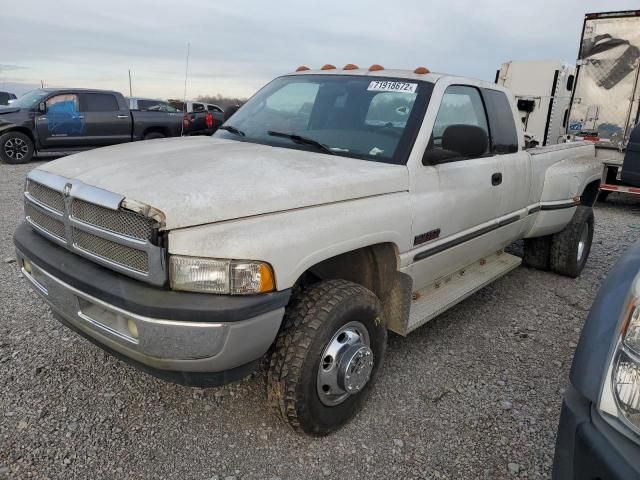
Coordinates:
63	115
100	102
197	107
460	130
504	136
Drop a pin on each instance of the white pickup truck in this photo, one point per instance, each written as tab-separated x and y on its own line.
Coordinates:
333	206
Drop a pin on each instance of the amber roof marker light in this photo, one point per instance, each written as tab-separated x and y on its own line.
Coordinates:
376	68
421	70
328	66
350	66
302	68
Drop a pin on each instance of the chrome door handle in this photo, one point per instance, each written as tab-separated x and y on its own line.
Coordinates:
123	116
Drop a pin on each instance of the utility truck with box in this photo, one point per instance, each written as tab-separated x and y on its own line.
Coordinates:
334	206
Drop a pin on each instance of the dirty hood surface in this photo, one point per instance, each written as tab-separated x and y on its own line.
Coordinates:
8	109
200	180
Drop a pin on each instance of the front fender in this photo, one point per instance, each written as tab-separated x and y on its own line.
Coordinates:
603	324
295	240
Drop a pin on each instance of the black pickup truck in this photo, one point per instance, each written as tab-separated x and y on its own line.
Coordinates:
62	121
5	97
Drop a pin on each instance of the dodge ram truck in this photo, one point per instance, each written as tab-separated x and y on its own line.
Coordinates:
63	121
332	207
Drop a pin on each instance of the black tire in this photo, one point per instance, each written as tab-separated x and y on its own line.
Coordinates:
152	135
310	324
602	196
16	148
565	258
537	252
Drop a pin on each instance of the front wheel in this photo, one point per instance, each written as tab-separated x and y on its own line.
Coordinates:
326	356
16	147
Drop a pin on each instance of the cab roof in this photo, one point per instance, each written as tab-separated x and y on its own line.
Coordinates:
432	77
408	74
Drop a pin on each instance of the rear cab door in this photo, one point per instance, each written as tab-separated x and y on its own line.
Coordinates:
107	118
507	142
455	186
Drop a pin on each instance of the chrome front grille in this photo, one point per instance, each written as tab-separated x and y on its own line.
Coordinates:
130	224
91	222
46	195
111	251
47	223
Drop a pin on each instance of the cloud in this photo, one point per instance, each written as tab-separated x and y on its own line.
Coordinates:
10	68
238	46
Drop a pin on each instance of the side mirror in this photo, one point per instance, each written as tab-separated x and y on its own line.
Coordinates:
458	142
42	107
228	113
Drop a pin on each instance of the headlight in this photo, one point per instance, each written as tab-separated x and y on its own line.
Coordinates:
627	387
621	391
235	277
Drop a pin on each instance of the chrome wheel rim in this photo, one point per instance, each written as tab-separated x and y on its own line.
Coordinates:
582	243
345	365
16	148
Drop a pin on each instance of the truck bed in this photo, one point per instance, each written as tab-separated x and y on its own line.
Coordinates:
555	148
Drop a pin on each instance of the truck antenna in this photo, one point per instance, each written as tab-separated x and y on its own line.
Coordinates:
184	97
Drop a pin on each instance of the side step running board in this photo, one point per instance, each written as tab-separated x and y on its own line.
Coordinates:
433	300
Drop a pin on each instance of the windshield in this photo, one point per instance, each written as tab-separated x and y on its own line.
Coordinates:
371	118
29	99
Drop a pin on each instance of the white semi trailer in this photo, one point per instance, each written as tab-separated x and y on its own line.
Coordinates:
543	91
604	107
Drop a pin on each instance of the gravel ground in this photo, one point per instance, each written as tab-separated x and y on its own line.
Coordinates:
474	394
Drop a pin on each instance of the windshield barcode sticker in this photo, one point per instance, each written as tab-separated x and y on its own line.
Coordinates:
386	86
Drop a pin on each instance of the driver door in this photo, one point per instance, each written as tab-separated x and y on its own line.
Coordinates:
62	126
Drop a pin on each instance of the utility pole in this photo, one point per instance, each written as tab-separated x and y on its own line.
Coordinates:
184	98
130	90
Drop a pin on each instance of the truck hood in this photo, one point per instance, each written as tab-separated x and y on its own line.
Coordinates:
5	110
200	180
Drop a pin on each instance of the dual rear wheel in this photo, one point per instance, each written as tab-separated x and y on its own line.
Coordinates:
565	252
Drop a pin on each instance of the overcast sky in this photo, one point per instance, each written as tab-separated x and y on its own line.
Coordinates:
237	46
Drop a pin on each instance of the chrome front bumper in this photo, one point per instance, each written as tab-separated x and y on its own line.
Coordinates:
180	346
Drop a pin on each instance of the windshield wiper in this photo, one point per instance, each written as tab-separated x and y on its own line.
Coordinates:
302	140
232	129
